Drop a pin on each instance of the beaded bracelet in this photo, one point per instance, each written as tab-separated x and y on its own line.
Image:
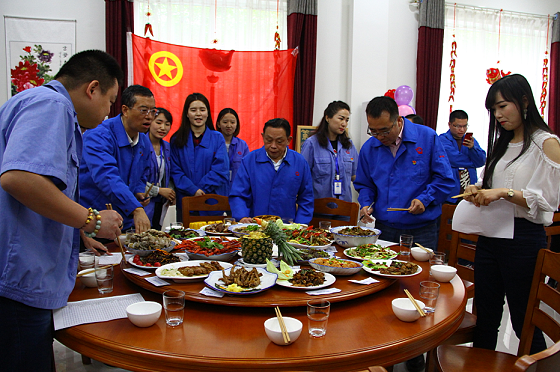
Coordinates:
97	223
89	218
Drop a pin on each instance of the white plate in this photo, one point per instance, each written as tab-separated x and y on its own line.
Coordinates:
388	262
347	253
232	228
329	279
183	279
267	280
240	262
182	257
203	228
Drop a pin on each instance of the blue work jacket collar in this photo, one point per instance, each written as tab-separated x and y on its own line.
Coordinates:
120	132
262	157
410	134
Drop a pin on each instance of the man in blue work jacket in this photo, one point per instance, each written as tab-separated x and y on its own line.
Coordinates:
273	180
116	159
403	165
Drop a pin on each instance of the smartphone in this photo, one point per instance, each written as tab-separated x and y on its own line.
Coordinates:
468	136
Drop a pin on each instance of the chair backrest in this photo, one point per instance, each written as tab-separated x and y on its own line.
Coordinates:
463	248
548	264
553	229
445	231
327	209
204	203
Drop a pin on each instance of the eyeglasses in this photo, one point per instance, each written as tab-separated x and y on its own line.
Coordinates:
460	126
145	111
383	133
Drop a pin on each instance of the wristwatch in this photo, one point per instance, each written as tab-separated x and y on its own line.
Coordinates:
510	193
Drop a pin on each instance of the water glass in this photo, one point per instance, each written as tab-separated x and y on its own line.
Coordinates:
87	260
437	258
174	305
176	226
429	293
228	221
104	277
406	244
317	317
325	225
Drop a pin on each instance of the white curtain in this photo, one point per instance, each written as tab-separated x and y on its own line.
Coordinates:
247	25
522	46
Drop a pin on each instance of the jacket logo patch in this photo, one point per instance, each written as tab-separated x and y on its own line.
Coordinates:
297	174
414	162
419	150
238	152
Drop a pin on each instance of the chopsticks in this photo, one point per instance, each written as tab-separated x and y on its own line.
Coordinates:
397	209
109	206
422	313
148	192
424	248
92	270
461	195
371	205
282	325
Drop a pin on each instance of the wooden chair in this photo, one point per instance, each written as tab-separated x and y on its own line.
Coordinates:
460	358
445	231
335	207
553	229
377	369
460	249
204	203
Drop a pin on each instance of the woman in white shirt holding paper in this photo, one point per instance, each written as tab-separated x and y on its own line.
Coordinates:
523	168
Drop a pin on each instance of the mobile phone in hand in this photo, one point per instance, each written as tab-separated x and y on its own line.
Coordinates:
468	136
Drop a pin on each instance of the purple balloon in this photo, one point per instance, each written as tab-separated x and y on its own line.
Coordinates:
406	110
404	95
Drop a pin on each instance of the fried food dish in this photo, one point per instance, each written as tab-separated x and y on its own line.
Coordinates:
356	231
307	278
400	268
266	217
203	269
334	262
242	277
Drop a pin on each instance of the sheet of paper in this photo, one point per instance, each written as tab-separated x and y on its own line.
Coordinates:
369	280
94	310
115	258
494	220
211	293
163	213
319	292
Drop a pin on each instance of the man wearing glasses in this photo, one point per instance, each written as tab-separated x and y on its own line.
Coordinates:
403	165
116	157
463	151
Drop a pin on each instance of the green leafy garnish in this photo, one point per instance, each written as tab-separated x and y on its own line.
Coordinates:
209	244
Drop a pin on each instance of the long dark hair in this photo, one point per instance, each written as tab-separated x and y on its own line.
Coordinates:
222	114
516	89
181	137
166	114
322	131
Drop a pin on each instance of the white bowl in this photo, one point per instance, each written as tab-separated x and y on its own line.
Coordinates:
89	279
336	270
421	255
144	314
443	273
404	309
272	329
348	241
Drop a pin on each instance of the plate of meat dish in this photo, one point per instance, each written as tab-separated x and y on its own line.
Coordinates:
309	238
218	228
216	248
241	281
181	272
156	259
308	279
392	268
184	233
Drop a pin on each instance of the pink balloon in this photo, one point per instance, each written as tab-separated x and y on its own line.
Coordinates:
403	95
406	110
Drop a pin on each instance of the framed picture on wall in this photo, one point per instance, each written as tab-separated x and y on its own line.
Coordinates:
303	132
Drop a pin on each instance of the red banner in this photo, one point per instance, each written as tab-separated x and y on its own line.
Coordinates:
258	85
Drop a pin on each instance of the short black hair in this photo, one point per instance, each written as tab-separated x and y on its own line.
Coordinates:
416	119
89	65
279	123
458	114
378	105
129	94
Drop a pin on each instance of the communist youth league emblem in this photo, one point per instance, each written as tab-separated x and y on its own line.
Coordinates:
166	68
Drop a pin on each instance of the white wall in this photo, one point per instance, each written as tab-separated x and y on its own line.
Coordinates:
90	25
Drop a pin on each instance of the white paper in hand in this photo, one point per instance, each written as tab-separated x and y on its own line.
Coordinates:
494	220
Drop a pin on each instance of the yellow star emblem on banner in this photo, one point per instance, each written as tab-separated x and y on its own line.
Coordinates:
161	60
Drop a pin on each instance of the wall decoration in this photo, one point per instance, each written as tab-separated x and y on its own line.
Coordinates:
36	49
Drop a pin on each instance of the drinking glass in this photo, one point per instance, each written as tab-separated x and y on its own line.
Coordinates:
406	245
429	292
437	258
317	317
174	305
228	221
87	260
325	225
104	277
176	226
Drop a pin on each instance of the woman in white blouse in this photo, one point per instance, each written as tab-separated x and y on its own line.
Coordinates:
523	167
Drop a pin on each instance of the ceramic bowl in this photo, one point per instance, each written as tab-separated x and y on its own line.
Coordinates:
404	309
89	279
336	270
348	241
272	329
443	273
421	255
144	314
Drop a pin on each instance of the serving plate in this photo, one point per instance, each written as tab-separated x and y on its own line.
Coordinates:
183	279
233	228
182	256
388	262
329	280
240	262
145	252
217	257
321	247
203	228
336	270
267	280
198	231
389	254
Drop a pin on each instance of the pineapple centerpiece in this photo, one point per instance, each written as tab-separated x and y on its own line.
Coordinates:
256	248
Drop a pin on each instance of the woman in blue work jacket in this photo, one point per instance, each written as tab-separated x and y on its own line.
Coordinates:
331	155
199	160
228	124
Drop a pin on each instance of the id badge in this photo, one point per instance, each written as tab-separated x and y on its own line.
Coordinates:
337	187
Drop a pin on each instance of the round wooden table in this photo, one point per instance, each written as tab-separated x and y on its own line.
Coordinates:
361	332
